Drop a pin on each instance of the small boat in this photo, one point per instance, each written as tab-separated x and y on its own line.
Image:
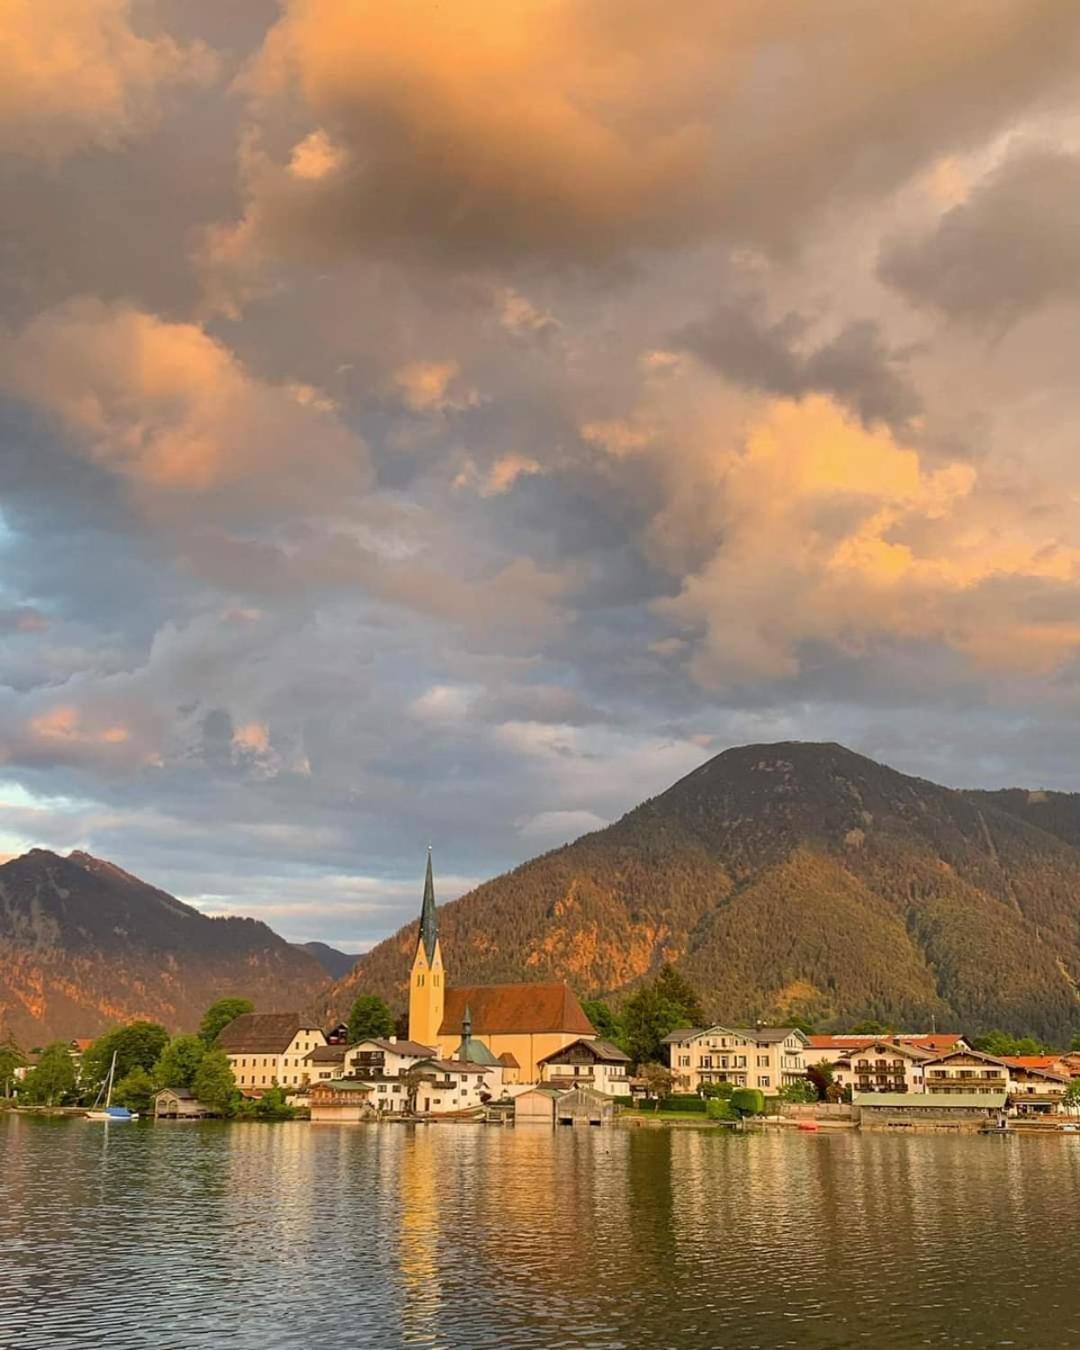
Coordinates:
810	1126
108	1111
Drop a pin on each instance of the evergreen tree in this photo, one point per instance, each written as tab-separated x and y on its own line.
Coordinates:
657	1008
676	988
370	1017
220	1014
607	1022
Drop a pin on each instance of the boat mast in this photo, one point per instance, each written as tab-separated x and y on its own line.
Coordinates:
112	1070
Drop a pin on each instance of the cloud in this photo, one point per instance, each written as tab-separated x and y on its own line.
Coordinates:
579	131
170	410
855	366
1011	247
76	74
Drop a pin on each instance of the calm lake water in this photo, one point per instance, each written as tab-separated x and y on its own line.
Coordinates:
268	1236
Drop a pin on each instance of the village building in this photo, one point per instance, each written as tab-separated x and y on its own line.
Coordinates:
881	1066
179	1104
960	1112
449	1086
384	1057
268	1050
519	1023
768	1058
325	1062
340	1101
536	1105
829	1048
583	1106
1030	1088
588	1063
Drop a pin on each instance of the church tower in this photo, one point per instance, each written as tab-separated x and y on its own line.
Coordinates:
427	983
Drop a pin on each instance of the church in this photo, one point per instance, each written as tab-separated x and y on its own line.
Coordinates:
518	1025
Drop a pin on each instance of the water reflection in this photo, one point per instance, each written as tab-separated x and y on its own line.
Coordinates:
263	1236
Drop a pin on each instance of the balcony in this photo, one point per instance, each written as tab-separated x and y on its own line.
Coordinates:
980	1083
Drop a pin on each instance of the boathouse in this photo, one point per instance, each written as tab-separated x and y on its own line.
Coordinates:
953	1112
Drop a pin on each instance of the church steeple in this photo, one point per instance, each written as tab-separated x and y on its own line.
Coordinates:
429	919
426	980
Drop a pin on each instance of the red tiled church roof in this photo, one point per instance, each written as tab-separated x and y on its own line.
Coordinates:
514	1008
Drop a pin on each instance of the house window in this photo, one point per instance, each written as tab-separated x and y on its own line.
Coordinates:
763	1080
763	1061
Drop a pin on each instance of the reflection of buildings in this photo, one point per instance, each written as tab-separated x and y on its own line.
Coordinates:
418	1237
519	1023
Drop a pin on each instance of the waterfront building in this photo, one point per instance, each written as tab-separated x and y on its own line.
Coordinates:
584	1106
179	1104
519	1023
340	1101
963	1112
447	1086
325	1062
589	1063
269	1050
537	1104
768	1058
384	1057
1030	1090
829	1048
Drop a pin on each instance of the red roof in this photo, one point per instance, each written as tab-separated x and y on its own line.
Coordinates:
938	1040
514	1009
1032	1061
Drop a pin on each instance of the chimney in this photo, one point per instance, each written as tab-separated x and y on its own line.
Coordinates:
393	1040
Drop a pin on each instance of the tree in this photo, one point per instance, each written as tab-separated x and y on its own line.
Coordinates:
722	1090
54	1077
658	1080
717	1108
413	1079
272	1105
870	1027
607	1022
1002	1043
1070	1099
676	988
135	1091
220	1014
137	1045
11	1058
800	1091
179	1062
370	1017
214	1084
1074	1044
748	1101
821	1075
656	1009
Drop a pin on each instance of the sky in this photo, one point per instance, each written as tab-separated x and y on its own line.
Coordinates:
451	423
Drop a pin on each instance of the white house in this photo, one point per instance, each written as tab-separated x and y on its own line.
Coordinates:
269	1050
589	1063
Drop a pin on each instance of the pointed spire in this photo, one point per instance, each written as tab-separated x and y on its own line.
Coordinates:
466	1026
429	919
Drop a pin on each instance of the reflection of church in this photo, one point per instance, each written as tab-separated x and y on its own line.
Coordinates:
517	1024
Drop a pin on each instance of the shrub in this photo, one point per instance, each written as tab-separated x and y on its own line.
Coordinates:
748	1101
684	1102
717	1108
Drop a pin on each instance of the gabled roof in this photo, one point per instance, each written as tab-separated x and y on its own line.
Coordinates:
184	1094
680	1035
406	1048
326	1054
600	1050
971	1054
262	1033
934	1040
452	1066
884	1046
1032	1061
508	1061
509	1009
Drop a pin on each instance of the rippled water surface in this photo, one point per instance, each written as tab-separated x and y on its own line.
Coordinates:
263	1236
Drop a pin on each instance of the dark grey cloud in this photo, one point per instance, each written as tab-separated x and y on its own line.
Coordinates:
856	366
1011	248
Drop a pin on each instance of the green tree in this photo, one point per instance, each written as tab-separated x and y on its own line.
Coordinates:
1074	1044
220	1014
722	1090
656	1009
748	1101
1002	1043
214	1084
53	1079
677	989
137	1045
135	1091
802	1091
272	1105
607	1022
179	1062
870	1027
11	1058
718	1108
1070	1099
370	1017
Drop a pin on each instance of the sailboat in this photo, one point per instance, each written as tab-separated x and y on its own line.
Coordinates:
108	1111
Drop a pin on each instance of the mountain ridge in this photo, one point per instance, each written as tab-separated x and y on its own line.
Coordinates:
84	944
793	879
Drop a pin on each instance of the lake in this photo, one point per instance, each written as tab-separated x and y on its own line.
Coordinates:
265	1236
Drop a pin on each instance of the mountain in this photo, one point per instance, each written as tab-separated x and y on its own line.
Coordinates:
792	880
334	963
84	944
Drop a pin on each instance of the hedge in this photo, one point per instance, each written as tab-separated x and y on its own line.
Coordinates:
684	1102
